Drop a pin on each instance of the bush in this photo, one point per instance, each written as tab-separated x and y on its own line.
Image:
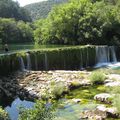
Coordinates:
41	111
75	84
57	89
116	98
116	102
97	77
3	115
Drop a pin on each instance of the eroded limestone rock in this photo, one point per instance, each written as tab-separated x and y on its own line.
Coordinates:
103	97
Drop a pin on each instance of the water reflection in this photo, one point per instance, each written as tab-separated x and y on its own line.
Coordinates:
13	110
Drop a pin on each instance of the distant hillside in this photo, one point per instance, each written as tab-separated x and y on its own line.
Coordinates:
41	9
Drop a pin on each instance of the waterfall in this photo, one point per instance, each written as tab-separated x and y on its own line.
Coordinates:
28	67
102	54
22	65
113	54
36	62
87	58
105	55
46	62
81	60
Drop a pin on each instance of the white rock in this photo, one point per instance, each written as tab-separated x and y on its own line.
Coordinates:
112	110
114	76
101	108
112	84
103	97
76	100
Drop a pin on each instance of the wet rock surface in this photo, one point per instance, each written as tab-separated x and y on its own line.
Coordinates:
103	97
113	84
33	84
101	112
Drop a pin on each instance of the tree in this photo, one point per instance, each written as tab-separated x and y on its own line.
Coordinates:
12	31
80	22
11	9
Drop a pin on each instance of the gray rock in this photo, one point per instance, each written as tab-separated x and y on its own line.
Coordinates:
103	97
76	100
112	84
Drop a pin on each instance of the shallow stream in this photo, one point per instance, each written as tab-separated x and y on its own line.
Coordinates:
67	109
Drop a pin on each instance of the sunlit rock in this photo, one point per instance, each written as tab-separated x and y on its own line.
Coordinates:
103	97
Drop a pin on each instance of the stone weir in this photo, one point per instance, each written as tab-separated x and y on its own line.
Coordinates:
66	58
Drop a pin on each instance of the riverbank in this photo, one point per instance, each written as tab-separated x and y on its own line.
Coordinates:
32	85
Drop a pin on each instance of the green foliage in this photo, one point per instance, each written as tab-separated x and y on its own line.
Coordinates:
97	77
116	102
11	9
41	9
75	84
41	111
80	22
116	98
57	89
12	31
3	115
102	88
67	58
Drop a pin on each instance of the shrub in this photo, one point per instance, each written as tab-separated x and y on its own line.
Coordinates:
3	115
116	102
75	84
116	99
57	89
41	111
97	77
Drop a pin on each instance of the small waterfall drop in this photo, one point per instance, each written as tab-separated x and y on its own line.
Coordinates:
102	54
105	55
28	67
81	60
87	58
36	62
22	64
113	54
46	62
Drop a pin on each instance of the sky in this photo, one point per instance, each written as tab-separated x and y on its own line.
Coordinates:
25	2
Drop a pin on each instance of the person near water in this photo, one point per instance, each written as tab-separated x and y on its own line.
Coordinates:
6	48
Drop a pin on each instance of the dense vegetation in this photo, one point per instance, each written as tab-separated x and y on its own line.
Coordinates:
12	31
11	9
41	9
42	111
13	23
81	22
74	22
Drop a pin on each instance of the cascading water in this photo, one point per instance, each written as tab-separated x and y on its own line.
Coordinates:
22	64
105	55
81	60
113	54
87	58
46	62
28	67
102	54
36	62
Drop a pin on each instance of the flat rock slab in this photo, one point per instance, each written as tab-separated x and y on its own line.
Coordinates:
112	84
76	100
103	97
114	77
100	113
110	112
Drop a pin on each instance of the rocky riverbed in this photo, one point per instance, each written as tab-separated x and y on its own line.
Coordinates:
32	84
39	84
